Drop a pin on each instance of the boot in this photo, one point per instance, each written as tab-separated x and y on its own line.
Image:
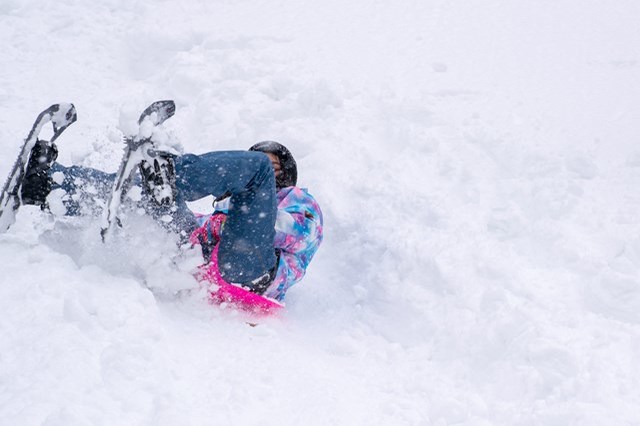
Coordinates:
159	178
37	183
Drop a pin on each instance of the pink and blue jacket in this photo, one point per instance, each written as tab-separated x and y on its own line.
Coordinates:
298	236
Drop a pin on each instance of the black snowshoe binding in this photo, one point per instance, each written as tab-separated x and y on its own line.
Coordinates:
37	183
159	177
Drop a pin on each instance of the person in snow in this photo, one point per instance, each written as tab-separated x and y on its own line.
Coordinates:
263	234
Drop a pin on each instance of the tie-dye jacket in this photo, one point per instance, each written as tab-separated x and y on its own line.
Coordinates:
298	236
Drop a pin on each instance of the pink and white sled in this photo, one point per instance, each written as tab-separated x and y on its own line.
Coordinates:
225	294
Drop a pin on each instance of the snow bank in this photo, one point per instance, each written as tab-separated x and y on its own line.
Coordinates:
476	165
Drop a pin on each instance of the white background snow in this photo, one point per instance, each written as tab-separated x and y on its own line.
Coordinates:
478	165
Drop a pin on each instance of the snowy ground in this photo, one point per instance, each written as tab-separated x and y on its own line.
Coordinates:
478	166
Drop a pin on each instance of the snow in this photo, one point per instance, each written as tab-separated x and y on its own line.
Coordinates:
477	164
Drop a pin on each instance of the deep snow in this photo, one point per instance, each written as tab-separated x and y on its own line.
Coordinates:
477	166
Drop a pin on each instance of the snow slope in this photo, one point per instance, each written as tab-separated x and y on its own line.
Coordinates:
477	166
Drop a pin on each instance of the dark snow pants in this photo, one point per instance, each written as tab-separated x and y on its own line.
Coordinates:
246	246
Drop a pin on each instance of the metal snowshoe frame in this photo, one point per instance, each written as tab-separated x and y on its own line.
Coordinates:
138	148
61	117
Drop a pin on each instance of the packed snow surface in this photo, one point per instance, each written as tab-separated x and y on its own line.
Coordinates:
478	165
